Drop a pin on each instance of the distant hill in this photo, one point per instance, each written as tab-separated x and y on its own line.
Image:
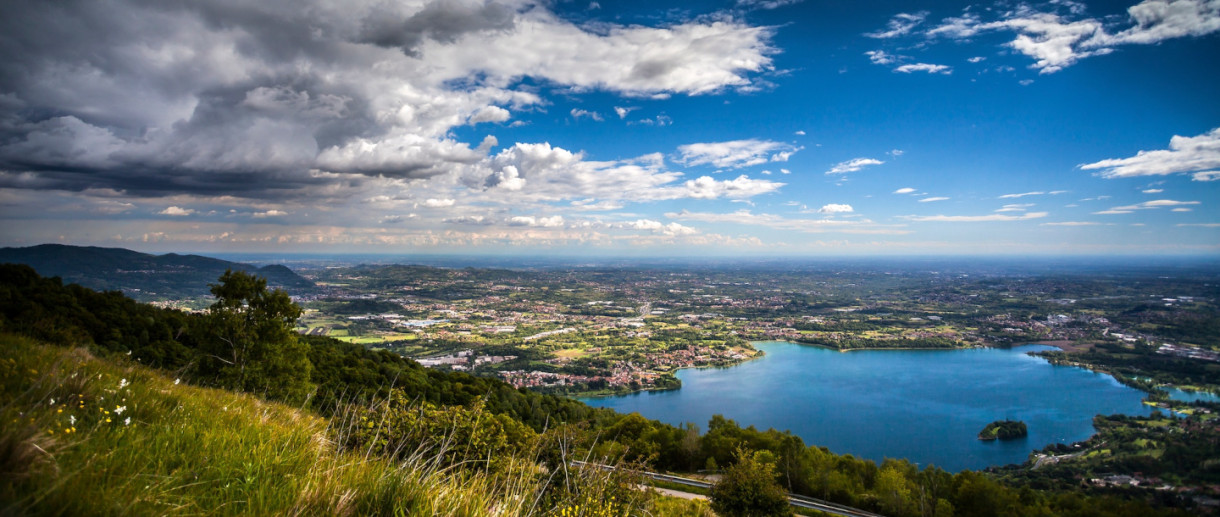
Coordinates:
141	275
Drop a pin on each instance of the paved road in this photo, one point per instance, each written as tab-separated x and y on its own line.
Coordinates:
795	500
674	493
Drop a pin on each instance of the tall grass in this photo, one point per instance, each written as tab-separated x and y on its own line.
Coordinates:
84	436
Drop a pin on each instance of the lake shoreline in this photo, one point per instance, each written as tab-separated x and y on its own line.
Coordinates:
758	354
917	412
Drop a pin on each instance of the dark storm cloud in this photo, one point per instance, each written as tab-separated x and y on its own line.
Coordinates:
270	99
440	21
211	98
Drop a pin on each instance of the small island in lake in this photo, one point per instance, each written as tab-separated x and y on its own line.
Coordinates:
1004	430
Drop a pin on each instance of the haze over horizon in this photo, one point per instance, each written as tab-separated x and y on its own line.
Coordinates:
755	127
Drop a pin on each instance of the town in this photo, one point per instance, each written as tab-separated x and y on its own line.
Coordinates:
601	331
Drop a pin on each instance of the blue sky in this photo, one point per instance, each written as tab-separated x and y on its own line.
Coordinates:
615	128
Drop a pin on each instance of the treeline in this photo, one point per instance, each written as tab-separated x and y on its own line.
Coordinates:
1178	451
1141	361
111	323
854	343
194	346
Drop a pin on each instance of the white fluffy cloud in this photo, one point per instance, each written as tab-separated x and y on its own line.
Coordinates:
577	113
671	229
975	218
1073	223
438	203
853	165
835	208
623	111
736	153
881	57
904	190
490	114
741	187
925	67
1197	155
177	211
554	221
541	172
1021	195
272	98
900	25
1018	207
1057	36
1147	205
748	218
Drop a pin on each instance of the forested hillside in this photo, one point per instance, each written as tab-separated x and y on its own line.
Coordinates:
388	406
142	275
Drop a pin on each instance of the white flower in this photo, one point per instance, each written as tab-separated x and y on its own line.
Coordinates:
71	420
176	381
127	422
129	352
122	383
118	410
52	401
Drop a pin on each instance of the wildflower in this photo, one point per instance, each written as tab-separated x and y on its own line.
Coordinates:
118	410
71	419
127	422
52	401
123	383
176	381
107	420
129	352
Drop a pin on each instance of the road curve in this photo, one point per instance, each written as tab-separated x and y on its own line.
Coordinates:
799	501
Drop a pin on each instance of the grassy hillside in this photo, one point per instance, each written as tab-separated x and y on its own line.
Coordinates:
81	436
86	428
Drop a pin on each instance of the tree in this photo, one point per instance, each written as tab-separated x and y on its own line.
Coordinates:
891	489
749	488
249	343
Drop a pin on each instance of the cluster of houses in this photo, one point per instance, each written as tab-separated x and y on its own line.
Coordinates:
461	361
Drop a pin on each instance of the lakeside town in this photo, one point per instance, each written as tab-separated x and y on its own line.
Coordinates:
611	331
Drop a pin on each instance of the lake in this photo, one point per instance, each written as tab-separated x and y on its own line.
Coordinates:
1192	396
924	405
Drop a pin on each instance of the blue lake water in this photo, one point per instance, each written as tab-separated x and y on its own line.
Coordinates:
1192	396
924	405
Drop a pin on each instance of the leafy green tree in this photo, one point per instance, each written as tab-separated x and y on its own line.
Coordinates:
249	343
893	492
749	488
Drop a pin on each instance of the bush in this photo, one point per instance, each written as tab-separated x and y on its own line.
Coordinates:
749	488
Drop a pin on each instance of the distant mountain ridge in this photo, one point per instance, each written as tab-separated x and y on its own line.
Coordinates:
142	275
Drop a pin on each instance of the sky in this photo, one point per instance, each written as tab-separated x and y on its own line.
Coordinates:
721	128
